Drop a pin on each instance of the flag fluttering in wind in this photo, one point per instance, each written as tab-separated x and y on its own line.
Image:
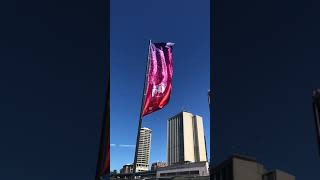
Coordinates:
159	77
157	85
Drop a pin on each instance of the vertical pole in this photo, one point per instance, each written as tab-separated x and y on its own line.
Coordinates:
137	147
140	117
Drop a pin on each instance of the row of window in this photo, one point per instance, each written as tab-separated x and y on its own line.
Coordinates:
180	173
141	165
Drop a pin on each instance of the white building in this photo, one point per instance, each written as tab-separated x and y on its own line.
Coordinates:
185	139
143	155
184	170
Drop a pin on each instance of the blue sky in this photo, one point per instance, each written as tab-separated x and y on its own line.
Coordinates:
131	28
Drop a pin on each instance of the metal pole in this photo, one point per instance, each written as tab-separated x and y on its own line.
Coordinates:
140	117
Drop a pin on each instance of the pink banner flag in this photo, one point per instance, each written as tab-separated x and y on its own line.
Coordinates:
159	80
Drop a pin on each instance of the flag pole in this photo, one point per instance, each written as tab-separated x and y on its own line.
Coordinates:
140	117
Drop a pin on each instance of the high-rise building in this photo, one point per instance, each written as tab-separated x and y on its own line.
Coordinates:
316	109
239	167
185	139
143	155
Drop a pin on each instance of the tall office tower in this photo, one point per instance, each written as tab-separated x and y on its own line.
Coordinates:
316	109
144	150
186	140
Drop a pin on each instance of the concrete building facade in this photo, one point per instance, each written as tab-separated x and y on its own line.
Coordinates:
197	169
245	168
185	139
277	175
143	155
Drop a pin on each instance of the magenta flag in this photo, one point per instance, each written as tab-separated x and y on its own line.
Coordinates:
159	77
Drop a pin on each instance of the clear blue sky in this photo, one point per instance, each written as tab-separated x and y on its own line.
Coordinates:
185	23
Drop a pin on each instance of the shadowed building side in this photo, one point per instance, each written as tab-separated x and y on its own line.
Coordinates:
239	167
277	175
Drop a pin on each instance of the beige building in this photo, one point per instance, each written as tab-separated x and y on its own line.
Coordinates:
185	139
143	155
239	167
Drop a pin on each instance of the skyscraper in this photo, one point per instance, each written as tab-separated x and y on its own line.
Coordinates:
143	155
316	109
186	140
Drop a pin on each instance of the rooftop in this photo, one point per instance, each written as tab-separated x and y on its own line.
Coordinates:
145	128
234	156
243	157
183	111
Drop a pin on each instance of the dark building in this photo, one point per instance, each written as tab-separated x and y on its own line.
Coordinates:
277	175
239	167
316	109
157	165
128	168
